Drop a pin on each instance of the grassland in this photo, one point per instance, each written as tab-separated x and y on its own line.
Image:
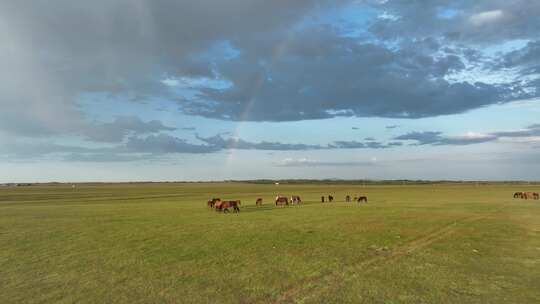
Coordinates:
159	243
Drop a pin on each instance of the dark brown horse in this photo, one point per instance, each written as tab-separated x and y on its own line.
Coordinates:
225	205
348	198
362	199
259	202
518	195
282	200
330	198
295	199
322	199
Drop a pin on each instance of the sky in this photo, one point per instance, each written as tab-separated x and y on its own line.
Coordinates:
162	90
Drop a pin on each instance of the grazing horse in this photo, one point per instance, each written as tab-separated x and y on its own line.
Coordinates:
212	202
282	200
536	196
528	195
295	199
225	205
362	199
322	199
330	198
259	201
518	195
348	198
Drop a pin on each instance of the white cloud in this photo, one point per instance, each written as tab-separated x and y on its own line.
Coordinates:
486	17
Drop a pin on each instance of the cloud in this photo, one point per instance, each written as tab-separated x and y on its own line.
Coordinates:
304	162
360	79
267	63
438	139
164	144
526	58
106	157
119	48
530	131
236	143
461	20
486	17
122	126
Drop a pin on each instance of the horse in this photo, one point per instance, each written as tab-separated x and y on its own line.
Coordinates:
322	199
518	195
362	199
212	202
348	198
528	195
282	200
536	196
295	199
225	205
259	201
330	198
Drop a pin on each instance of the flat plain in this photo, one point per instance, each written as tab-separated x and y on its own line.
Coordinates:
160	243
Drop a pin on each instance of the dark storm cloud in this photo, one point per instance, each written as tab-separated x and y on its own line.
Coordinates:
279	66
53	52
527	60
360	79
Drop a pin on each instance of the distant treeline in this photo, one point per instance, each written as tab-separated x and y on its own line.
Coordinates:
377	182
298	181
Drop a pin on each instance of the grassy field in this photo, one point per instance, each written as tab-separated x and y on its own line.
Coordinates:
159	243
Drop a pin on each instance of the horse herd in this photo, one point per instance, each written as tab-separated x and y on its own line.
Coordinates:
527	195
280	200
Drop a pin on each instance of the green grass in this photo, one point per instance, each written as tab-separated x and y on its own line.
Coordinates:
159	243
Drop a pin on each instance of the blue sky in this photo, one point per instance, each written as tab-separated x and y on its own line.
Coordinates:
213	90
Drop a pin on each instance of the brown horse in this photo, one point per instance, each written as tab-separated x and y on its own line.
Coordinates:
295	199
362	199
225	205
518	195
322	199
259	201
348	198
330	198
527	195
536	196
282	200
212	202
